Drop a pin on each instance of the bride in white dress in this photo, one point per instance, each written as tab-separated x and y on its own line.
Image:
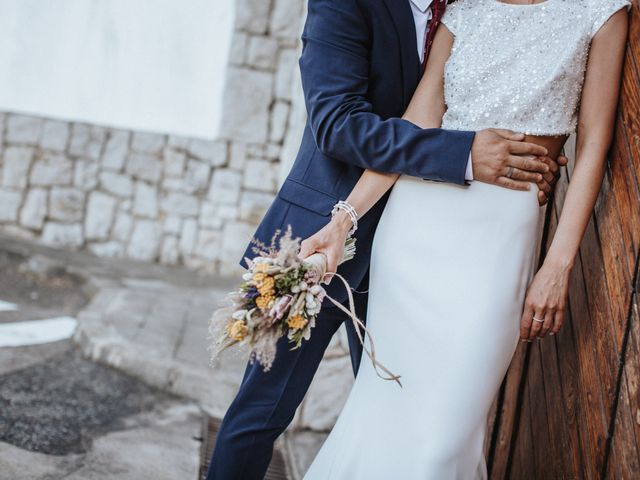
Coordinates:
452	284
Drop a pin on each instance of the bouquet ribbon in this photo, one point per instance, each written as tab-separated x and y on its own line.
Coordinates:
318	262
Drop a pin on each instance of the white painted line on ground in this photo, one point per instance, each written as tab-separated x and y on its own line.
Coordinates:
7	306
36	332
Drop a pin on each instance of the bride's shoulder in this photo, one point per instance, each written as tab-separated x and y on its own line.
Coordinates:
597	12
459	12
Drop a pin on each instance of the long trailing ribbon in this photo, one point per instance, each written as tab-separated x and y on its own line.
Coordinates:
357	323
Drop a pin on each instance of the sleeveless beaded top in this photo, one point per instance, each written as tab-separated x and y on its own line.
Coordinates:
520	66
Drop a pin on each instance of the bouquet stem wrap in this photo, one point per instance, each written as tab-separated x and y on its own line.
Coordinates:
318	262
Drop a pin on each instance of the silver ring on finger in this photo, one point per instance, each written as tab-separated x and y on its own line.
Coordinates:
509	172
536	319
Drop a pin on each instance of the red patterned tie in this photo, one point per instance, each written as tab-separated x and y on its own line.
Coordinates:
437	10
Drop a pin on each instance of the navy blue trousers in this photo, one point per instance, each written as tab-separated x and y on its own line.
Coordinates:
267	401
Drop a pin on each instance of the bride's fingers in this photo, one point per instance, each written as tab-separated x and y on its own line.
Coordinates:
307	248
558	320
525	323
548	323
536	325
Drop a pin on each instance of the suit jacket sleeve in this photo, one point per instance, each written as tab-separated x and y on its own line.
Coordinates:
335	77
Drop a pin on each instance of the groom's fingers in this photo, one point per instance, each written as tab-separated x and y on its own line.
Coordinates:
509	134
512	184
525	148
528	163
525	176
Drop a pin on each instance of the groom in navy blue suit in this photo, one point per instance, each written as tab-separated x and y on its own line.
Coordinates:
360	67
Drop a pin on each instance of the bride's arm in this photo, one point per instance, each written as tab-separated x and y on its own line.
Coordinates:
548	293
425	110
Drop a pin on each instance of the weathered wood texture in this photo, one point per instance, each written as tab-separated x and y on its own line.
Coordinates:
569	406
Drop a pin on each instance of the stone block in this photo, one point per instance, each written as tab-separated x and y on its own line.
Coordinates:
99	218
238	48
286	18
208	244
107	249
87	140
172	224
279	117
253	206
23	129
116	150
15	170
209	216
62	235
117	184
246	105
9	205
51	169
174	162
144	166
225	186
188	236
252	15
196	178
122	227
174	184
178	141
17	232
272	152
145	200
262	53
180	204
66	204
145	240
169	254
238	155
212	152
147	142
285	78
260	175
85	173
235	238
34	210
55	135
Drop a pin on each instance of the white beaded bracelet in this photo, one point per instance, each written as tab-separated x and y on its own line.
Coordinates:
348	208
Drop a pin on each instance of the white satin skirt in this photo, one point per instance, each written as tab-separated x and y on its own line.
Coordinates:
449	271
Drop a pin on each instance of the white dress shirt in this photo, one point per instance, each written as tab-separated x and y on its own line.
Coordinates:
421	17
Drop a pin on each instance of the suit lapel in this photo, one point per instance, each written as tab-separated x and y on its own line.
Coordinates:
400	12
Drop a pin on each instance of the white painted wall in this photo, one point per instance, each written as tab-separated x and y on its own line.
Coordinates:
154	65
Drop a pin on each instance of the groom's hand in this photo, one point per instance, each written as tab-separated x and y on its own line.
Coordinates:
501	157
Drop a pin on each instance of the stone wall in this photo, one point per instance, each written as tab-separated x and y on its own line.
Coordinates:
158	197
163	198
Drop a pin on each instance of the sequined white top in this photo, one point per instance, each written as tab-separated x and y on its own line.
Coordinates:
520	66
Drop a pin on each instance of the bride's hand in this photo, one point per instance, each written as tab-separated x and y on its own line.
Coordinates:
546	299
329	240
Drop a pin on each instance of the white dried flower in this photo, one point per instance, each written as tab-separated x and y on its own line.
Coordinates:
315	289
239	314
303	285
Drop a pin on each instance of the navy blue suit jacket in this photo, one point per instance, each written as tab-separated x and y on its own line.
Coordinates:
360	67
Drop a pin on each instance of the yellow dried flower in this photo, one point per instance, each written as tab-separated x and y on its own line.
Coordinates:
261	267
297	322
258	277
238	330
263	301
268	283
